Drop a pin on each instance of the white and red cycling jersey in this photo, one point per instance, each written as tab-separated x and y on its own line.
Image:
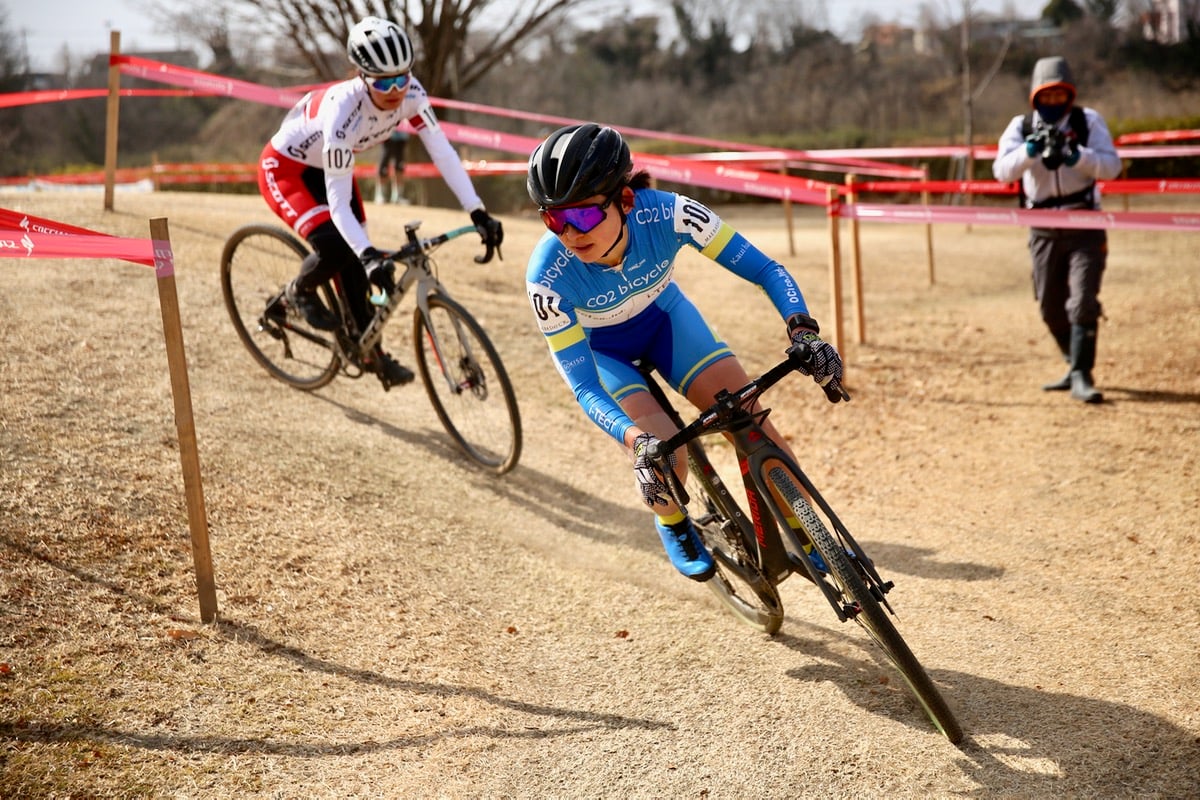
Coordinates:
324	131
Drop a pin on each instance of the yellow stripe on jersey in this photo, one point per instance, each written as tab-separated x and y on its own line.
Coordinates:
714	248
564	339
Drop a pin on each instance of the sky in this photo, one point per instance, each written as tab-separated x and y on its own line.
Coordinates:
47	26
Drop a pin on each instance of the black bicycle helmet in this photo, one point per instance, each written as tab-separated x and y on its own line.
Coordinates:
576	162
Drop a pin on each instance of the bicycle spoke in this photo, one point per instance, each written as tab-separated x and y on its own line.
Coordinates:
258	261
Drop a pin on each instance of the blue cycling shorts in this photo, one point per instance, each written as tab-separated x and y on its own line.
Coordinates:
674	339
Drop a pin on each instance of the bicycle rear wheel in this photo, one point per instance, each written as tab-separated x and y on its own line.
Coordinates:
738	583
862	605
256	264
467	384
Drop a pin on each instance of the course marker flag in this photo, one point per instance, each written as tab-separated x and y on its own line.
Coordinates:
45	238
26	236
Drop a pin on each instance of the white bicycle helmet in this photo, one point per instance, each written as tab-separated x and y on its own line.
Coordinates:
379	47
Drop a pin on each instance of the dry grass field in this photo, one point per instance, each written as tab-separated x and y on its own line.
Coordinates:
396	624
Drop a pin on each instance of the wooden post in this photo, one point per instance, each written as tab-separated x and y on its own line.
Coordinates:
164	268
114	113
928	225
835	270
860	326
1124	176
787	215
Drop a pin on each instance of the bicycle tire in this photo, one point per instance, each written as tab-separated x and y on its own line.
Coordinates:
467	384
256	263
870	614
738	583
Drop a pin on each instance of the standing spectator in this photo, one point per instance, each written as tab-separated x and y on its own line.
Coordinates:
391	168
1058	151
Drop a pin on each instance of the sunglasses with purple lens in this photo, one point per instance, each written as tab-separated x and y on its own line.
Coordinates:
581	218
390	83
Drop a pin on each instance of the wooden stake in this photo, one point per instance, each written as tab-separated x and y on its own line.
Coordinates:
164	266
114	113
787	215
860	325
835	270
928	226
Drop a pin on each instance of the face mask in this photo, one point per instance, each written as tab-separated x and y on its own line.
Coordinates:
1052	113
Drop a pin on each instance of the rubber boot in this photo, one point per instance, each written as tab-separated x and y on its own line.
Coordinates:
1083	358
1063	384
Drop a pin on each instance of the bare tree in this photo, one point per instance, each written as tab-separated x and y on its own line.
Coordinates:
458	41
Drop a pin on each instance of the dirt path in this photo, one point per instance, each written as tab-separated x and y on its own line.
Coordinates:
395	624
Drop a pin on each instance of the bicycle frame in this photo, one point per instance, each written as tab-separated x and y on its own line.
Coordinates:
463	374
777	549
766	547
418	270
769	554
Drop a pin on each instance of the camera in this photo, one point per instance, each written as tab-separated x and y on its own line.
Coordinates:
1052	144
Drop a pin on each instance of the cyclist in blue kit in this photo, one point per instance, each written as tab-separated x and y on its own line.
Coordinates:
602	288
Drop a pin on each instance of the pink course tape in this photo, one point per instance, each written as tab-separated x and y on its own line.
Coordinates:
27	236
43	238
1039	218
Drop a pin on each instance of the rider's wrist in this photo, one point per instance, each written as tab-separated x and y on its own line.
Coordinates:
802	322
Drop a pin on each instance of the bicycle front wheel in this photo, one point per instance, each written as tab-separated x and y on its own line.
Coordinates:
256	265
864	608
467	384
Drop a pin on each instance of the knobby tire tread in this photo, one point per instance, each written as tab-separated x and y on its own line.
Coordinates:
871	615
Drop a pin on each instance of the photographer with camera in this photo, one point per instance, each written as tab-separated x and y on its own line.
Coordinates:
1058	151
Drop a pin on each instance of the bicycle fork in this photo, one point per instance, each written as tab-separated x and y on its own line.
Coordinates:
801	500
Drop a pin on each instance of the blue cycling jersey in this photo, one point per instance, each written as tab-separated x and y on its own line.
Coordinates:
587	311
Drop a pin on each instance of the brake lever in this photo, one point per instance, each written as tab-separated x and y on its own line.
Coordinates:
489	250
657	454
487	256
836	392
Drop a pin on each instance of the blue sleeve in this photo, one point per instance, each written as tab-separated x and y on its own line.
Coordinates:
735	253
571	352
700	227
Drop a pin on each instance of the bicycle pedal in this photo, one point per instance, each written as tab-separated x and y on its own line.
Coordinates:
271	328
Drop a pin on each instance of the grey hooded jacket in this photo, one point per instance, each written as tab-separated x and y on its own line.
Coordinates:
1098	159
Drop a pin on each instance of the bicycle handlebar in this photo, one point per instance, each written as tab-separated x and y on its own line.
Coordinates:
416	247
729	404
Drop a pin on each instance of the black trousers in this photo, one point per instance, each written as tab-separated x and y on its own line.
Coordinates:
1068	266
